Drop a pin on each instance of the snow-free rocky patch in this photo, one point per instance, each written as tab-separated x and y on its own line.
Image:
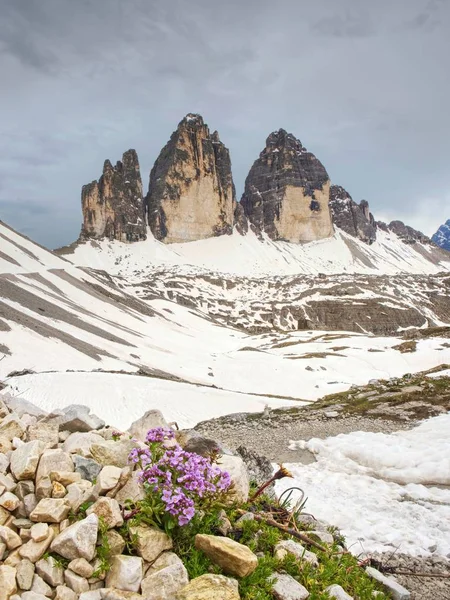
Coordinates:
67	534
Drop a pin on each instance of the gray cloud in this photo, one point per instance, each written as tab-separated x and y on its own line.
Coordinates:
364	85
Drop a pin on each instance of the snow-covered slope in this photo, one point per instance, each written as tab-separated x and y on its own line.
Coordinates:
66	323
338	283
250	257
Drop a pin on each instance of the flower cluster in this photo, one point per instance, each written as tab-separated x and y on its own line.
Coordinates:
182	481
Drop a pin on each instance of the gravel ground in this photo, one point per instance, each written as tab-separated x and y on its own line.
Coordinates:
269	435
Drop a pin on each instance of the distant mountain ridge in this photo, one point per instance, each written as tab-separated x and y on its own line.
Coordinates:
442	236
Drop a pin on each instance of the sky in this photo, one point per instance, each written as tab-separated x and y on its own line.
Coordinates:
364	85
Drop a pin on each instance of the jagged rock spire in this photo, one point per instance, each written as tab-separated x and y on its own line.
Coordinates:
113	206
191	193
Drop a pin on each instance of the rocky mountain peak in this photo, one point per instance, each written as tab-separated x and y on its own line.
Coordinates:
442	236
113	206
191	193
287	192
355	219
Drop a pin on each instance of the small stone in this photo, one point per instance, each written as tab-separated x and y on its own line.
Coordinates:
224	525
132	490
2	550
50	571
210	587
10	538
331	414
13	558
65	477
397	591
337	592
30	502
150	420
65	593
11	427
8	585
25	574
33	551
91	595
32	596
287	588
44	488
87	467
107	479
150	542
323	536
125	573
24	460
39	532
165	583
81	567
232	557
115	541
77	417
40	587
4	515
75	582
248	516
7	481
54	460
80	443
44	432
290	547
78	540
109	510
58	490
113	453
24	488
9	501
166	559
50	510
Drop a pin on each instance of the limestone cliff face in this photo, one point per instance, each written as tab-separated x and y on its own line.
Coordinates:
355	219
287	192
191	192
113	206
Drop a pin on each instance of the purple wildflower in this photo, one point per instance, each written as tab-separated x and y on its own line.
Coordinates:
160	434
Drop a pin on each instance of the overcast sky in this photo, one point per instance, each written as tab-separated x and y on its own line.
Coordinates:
365	86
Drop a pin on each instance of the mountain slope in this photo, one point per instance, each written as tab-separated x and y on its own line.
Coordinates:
85	337
442	236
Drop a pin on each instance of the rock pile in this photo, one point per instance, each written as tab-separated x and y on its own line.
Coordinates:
65	485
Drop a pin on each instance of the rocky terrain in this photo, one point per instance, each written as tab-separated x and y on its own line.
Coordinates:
191	193
379	305
442	236
355	219
287	192
113	206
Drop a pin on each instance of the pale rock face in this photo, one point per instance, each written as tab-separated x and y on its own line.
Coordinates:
151	542
191	192
75	582
113	206
54	460
50	510
287	588
125	573
8	585
78	540
165	583
150	420
210	587
25	573
109	510
287	192
25	459
297	550
33	551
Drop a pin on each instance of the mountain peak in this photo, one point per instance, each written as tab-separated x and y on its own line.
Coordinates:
442	236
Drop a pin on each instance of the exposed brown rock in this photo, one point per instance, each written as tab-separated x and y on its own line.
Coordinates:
191	192
287	192
355	219
113	206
